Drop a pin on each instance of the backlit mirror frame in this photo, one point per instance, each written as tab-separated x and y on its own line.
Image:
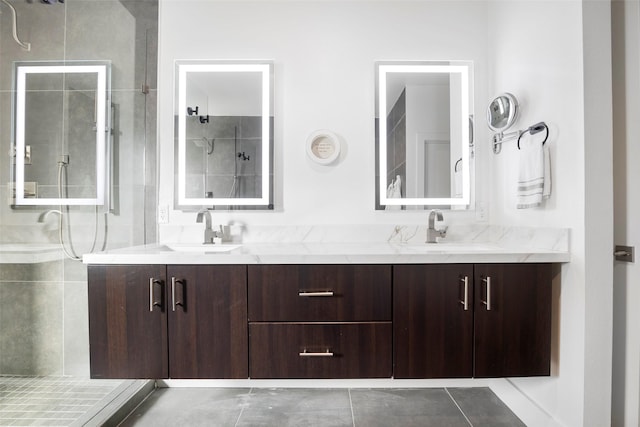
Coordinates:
265	68
463	69
102	119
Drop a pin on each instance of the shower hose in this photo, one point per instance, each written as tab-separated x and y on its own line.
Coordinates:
68	248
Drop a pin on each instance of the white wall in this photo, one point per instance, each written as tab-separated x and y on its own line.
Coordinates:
553	56
626	109
324	54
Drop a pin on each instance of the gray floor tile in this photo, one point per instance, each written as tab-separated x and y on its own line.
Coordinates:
431	407
297	407
483	408
405	407
190	407
52	401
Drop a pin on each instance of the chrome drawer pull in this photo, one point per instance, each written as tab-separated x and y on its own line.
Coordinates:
487	302
465	302
174	300
306	353
153	301
315	294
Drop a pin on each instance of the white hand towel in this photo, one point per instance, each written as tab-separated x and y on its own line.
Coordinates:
534	178
457	183
546	190
457	187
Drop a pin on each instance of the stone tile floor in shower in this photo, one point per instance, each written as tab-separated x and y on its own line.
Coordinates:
52	401
435	407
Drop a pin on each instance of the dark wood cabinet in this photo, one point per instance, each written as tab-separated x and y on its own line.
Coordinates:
158	321
207	321
128	321
320	321
433	321
505	331
512	319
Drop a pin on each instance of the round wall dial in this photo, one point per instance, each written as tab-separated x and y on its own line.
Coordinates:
323	147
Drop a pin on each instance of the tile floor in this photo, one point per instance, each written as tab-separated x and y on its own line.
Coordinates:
53	401
281	407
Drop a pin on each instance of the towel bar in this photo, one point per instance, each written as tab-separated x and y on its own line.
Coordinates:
499	138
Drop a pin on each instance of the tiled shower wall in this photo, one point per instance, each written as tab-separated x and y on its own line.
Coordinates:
61	122
43	319
221	149
43	306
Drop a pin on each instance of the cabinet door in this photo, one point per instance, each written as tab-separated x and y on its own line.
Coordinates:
127	321
208	321
433	327
512	319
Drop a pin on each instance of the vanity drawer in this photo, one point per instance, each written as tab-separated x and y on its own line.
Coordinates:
321	293
337	350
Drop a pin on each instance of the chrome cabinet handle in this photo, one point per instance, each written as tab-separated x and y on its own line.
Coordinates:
174	300
306	353
153	302
487	302
465	301
315	294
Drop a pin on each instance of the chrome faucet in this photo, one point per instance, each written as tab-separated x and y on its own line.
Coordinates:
432	233
209	234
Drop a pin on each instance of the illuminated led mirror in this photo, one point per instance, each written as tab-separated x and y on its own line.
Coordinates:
61	128
224	134
423	134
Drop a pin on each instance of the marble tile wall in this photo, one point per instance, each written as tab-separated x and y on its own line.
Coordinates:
31	319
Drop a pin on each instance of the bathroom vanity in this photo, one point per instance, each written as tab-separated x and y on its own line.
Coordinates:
305	311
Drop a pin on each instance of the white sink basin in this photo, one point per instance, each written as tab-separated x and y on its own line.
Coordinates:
201	247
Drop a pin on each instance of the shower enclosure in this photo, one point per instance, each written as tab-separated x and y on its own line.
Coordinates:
43	294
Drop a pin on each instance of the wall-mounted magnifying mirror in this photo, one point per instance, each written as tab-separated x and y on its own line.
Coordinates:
423	134
61	129
502	112
224	134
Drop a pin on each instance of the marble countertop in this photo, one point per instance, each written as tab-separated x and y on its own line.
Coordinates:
328	253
